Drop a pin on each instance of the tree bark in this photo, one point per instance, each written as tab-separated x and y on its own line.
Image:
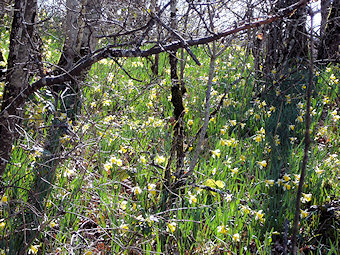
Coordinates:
80	40
329	48
20	64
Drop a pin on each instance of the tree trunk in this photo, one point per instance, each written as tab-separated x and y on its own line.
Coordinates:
286	41
17	78
329	48
80	40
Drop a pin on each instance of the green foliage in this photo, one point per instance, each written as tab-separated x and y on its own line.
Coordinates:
107	190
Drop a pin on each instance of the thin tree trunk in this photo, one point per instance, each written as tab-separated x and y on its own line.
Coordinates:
307	145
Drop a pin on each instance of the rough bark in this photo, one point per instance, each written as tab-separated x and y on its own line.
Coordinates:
177	92
80	40
329	49
20	64
286	40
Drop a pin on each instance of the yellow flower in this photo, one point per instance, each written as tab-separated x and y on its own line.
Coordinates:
262	163
137	190
222	229
2	225
107	166
190	122
171	227
192	198
152	188
213	119
142	159
88	252
234	171
119	162
123	227
300	118
245	209
123	204
287	186
233	122
306	198
33	249
304	214
243	158
159	159
222	131
4	200
259	215
319	171
236	237
122	149
223	142
269	183
258	138
53	224
277	140
216	153
286	177
291	127
280	182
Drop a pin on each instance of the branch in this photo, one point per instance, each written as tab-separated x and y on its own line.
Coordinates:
109	51
186	46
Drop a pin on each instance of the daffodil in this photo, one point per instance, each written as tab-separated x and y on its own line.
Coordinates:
4	200
299	118
291	127
216	153
259	215
142	159
319	171
228	197
245	209
286	177
269	183
262	164
304	214
190	122
159	159
236	237
136	190
52	224
171	227
222	229
124	227
306	198
33	249
287	186
2	225
152	189
234	171
223	142
192	198
233	122
123	204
